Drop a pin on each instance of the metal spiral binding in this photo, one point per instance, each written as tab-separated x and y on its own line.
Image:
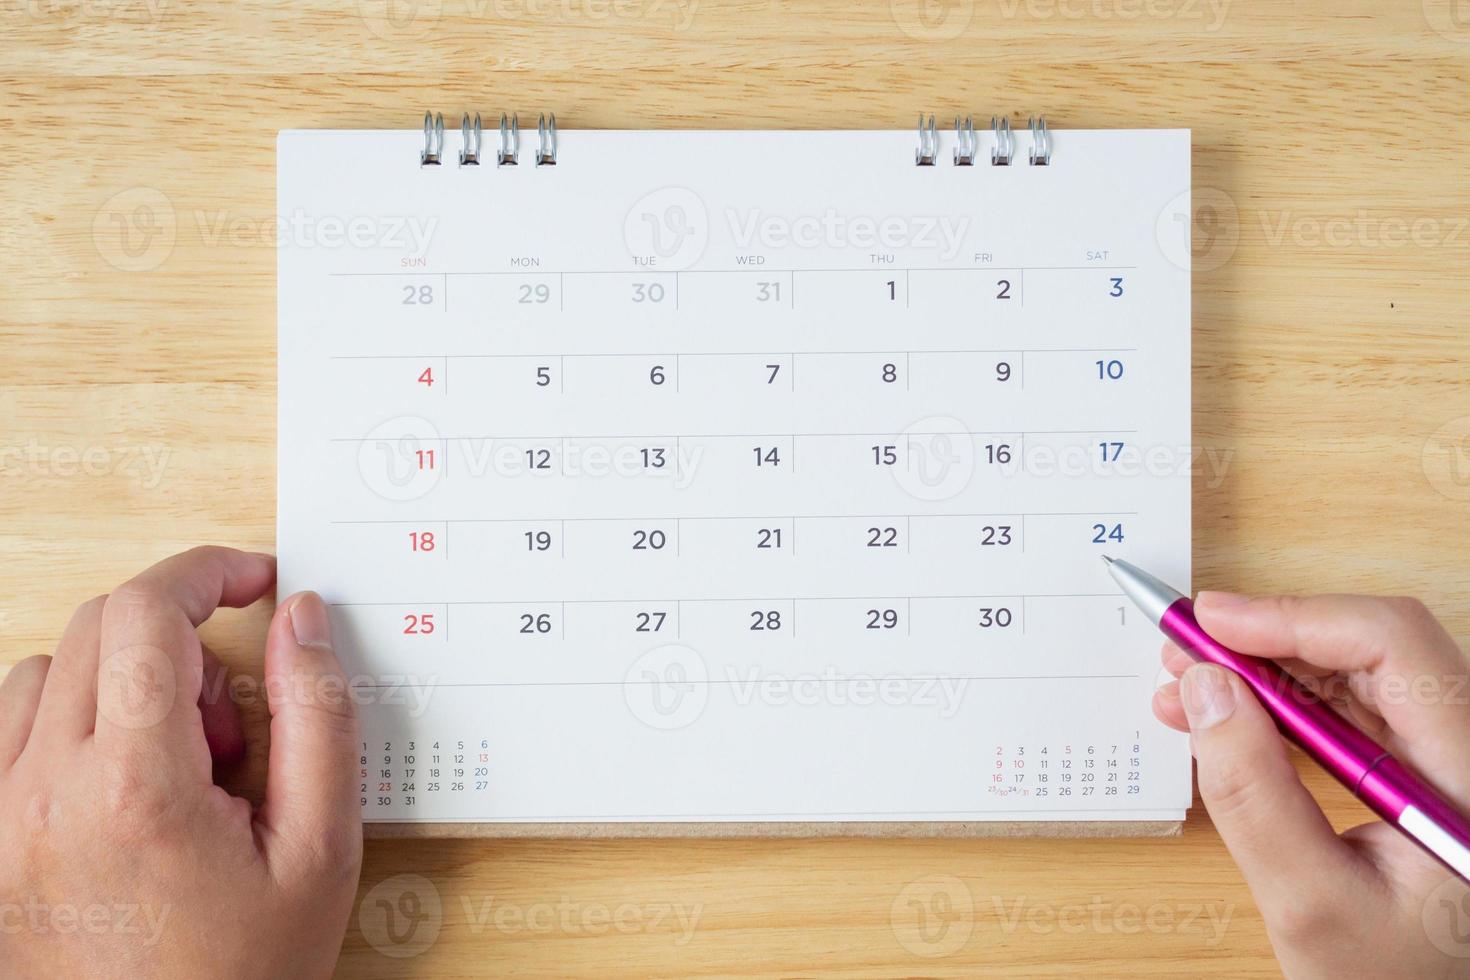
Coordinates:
928	150
1005	143
965	142
472	141
469	156
546	152
510	141
1040	142
433	150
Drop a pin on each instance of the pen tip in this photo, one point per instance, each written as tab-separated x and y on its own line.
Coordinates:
1107	560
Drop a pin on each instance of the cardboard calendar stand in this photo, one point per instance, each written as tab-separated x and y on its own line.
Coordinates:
732	830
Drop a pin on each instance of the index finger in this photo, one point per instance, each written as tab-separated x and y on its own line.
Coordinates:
150	667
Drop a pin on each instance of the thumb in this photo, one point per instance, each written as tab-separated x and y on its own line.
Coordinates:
311	807
1273	827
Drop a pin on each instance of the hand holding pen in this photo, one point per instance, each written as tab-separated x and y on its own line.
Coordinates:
1368	902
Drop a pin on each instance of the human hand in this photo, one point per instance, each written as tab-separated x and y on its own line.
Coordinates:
1355	904
119	856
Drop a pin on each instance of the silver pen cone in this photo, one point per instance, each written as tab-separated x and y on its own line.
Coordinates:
1150	595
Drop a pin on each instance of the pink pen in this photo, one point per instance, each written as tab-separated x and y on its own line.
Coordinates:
1358	762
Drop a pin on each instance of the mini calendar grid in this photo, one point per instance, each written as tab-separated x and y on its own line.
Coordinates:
704	477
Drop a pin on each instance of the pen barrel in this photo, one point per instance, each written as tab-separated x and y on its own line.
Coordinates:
1390	788
1312	724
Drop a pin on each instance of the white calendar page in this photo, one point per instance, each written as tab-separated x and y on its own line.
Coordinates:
740	476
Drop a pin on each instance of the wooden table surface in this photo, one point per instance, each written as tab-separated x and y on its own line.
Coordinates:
1331	292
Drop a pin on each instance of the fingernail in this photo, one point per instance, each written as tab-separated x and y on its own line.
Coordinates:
1221	599
1208	696
263	555
309	621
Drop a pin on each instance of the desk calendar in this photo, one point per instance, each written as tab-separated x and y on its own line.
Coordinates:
711	478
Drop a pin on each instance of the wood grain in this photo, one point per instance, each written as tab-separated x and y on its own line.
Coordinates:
1331	290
